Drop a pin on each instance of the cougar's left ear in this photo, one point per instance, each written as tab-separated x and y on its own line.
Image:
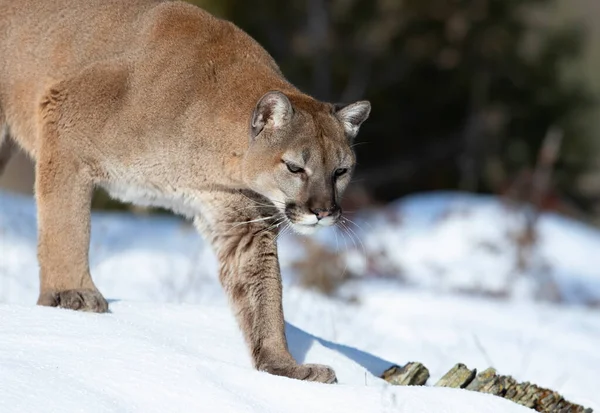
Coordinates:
273	110
352	116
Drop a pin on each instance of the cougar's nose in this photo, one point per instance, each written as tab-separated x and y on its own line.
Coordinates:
324	213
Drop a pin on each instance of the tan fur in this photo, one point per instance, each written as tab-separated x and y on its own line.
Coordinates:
163	104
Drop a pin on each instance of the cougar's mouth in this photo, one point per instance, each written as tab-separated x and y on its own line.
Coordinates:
304	223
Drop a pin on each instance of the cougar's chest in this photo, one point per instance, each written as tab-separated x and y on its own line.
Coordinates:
178	201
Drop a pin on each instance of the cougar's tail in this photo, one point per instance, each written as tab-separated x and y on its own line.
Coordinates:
6	147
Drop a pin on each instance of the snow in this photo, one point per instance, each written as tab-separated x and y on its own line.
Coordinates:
170	342
156	358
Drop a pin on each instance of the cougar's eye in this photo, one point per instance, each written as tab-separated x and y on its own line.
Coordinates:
340	171
295	169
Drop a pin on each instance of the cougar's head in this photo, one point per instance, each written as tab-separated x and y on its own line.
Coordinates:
300	156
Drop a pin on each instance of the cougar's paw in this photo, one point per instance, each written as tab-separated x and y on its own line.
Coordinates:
308	372
82	300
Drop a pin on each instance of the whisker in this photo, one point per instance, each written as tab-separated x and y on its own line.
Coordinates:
276	226
354	223
358	226
251	221
349	234
287	226
356	236
345	255
344	235
337	241
260	203
272	226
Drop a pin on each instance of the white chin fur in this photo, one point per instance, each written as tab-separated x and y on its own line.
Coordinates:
327	222
305	229
309	224
308	220
306	225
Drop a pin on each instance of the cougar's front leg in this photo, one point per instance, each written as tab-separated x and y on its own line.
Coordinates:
63	194
249	273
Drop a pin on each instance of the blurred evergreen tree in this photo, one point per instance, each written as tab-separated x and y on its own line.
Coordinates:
463	91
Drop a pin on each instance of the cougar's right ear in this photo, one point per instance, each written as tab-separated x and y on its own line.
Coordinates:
273	110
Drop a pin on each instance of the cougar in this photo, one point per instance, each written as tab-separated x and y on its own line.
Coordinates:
163	104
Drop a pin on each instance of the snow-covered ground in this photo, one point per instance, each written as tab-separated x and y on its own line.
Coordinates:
171	344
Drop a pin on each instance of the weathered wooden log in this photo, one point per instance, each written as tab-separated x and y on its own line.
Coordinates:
488	381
